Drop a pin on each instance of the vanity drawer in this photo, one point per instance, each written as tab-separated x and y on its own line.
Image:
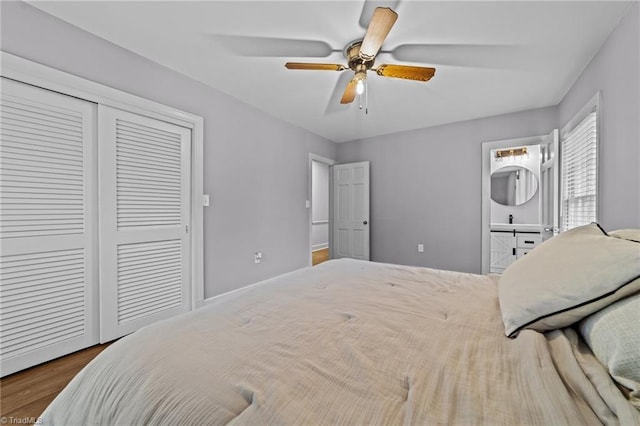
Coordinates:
521	252
528	241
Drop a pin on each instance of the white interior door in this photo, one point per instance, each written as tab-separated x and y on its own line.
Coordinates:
351	210
48	290
550	185
145	220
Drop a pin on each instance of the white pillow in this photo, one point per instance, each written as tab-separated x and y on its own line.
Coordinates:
627	234
566	278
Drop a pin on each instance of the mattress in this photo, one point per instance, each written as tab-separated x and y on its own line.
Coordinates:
345	342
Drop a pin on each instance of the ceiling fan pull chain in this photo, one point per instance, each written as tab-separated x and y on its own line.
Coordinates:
365	95
366	98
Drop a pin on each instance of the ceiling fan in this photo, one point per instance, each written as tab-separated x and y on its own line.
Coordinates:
361	55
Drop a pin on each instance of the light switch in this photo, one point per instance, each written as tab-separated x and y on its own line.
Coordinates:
205	200
420	248
308	204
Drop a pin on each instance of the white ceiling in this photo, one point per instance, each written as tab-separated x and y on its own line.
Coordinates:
491	57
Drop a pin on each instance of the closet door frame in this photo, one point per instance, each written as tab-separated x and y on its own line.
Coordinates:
26	71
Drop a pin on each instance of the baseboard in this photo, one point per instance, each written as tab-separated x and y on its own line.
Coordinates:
319	246
210	300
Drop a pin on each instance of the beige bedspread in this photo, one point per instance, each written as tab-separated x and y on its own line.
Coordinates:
346	342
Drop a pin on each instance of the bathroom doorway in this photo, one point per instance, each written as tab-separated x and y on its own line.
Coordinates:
320	183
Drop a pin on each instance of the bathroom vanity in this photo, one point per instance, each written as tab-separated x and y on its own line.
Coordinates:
510	242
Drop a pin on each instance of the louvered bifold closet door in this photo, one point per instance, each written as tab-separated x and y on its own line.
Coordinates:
144	227
48	277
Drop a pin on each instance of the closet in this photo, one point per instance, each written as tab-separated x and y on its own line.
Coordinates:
95	223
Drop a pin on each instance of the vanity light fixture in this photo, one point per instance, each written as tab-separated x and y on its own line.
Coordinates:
511	152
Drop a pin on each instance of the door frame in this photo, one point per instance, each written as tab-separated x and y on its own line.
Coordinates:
26	71
550	215
315	157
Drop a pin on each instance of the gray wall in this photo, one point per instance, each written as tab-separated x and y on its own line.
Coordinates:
615	71
426	187
426	183
257	173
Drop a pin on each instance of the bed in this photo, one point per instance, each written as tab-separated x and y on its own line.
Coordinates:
348	342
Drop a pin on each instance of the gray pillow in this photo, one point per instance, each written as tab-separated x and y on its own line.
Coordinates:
566	278
613	334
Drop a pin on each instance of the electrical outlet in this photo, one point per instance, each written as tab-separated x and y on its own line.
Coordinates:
258	257
420	248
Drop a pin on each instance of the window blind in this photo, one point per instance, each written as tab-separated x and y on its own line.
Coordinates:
579	174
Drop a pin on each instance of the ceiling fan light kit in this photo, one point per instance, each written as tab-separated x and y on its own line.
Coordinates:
361	55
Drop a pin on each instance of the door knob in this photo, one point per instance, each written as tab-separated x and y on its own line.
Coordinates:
365	222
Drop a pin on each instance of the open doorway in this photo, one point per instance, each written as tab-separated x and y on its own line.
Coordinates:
319	174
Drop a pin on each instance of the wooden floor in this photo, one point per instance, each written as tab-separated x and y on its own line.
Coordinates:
319	256
25	395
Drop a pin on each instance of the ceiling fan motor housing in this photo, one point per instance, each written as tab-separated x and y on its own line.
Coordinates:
356	63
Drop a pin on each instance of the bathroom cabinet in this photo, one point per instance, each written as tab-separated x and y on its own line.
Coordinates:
509	245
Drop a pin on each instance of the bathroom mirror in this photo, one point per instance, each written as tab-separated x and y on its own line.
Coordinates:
513	185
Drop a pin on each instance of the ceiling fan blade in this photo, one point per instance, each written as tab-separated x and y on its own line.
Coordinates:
350	92
369	7
406	71
273	47
333	103
465	55
312	66
381	22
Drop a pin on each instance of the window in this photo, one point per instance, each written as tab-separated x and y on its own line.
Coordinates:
579	168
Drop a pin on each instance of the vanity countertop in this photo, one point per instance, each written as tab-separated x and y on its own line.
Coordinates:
518	227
